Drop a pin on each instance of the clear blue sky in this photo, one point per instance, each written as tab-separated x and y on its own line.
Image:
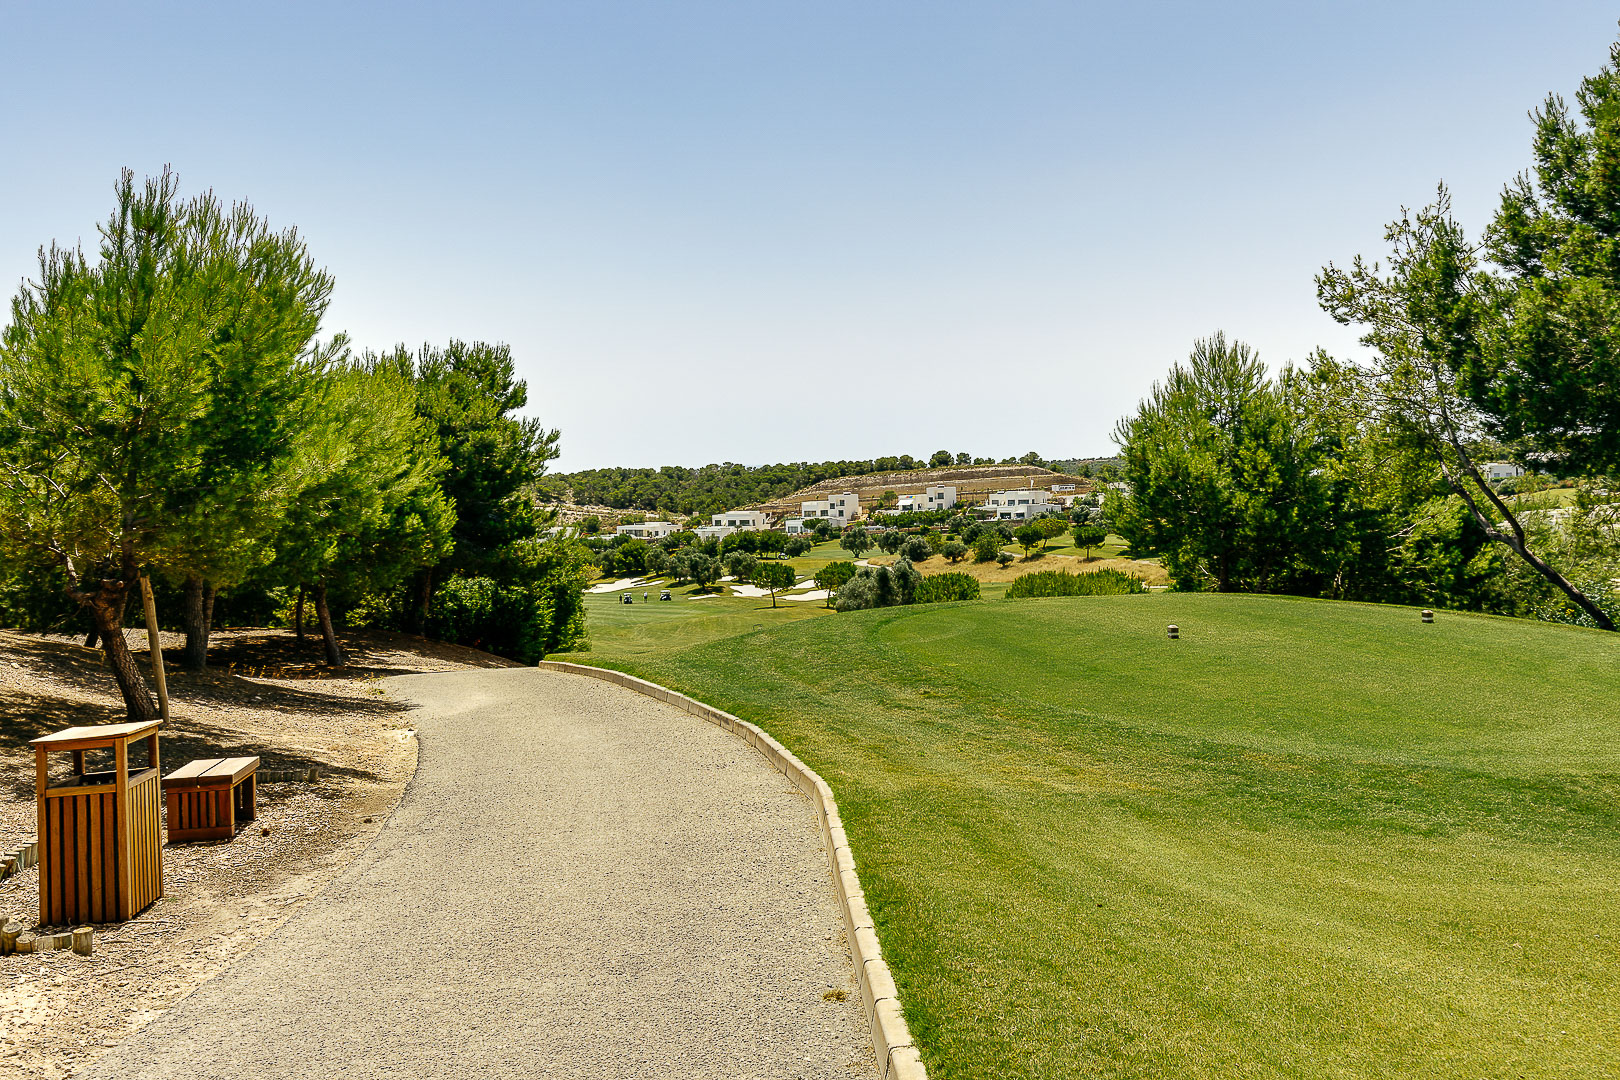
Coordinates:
768	231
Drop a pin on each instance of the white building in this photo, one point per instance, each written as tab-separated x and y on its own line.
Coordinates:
937	497
647	530
793	526
743	520
1019	505
714	532
839	509
1500	470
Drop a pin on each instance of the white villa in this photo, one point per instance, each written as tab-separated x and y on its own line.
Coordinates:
714	532
647	530
936	497
1500	470
1019	505
839	509
743	520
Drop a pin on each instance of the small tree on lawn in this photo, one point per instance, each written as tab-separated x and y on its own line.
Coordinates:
742	566
774	576
1028	537
833	577
986	547
916	549
954	550
1005	557
1051	528
856	540
890	541
1087	537
797	546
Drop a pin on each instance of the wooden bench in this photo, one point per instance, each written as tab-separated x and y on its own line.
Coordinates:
208	798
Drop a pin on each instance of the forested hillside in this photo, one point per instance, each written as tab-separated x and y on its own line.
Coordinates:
681	491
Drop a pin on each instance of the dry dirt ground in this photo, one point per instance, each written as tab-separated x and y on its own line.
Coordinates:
1151	573
265	694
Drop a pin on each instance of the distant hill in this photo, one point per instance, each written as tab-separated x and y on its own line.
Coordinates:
681	492
970	481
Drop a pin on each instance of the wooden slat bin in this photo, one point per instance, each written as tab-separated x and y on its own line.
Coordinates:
207	799
100	832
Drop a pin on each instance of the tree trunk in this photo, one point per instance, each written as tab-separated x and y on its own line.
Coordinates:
194	615
106	606
334	651
298	615
209	592
92	637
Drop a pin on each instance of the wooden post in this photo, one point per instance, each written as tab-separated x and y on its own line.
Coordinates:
126	875
9	934
83	940
42	780
154	645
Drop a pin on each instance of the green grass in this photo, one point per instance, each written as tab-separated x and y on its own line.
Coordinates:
1306	840
619	631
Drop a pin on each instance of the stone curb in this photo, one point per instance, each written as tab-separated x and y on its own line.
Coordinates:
897	1057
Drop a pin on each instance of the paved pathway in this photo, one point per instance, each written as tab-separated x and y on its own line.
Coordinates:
579	882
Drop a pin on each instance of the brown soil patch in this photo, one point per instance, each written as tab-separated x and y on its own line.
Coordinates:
1152	573
266	694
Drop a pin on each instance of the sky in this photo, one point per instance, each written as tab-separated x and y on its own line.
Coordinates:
765	232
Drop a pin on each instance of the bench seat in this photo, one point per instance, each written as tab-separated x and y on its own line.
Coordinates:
209	797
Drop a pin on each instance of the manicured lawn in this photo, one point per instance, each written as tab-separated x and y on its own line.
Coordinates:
1307	840
616	630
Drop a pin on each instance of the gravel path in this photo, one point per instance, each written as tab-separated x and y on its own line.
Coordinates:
579	882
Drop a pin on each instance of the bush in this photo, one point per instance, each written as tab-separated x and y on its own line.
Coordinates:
1063	583
879	586
1005	557
916	549
986	547
943	588
954	550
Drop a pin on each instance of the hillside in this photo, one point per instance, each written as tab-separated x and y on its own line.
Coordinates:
972	482
1307	839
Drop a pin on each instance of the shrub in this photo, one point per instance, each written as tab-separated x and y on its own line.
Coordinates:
1063	583
879	586
986	547
942	588
916	549
954	550
1005	557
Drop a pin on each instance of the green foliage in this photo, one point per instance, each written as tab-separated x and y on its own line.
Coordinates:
879	586
834	575
1087	537
1004	557
1106	582
1219	485
539	612
742	566
708	490
795	546
378	514
856	540
154	404
916	549
942	588
1548	373
774	576
889	541
1029	537
986	547
954	550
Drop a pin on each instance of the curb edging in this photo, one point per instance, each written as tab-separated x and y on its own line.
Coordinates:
897	1057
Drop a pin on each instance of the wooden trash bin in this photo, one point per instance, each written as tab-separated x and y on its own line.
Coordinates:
207	799
100	833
